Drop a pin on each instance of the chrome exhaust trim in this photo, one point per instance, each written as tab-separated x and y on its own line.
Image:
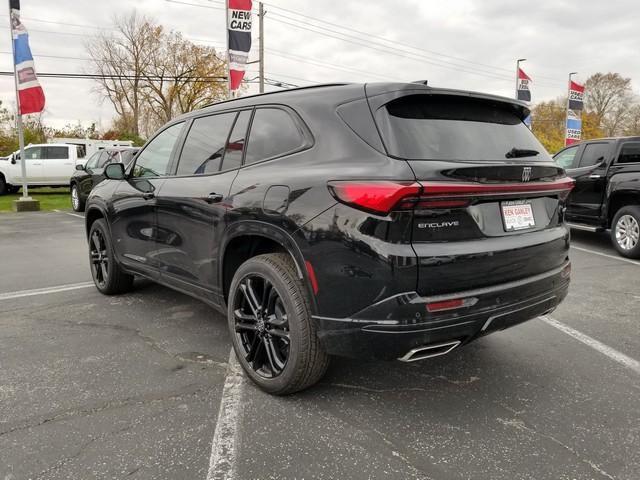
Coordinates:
431	351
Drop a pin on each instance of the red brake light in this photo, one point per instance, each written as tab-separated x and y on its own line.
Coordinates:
374	196
448	189
451	304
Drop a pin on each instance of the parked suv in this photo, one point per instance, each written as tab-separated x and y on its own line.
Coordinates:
390	221
607	190
47	165
92	173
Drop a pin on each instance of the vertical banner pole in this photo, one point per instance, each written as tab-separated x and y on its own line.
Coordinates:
261	28
23	166
226	32
517	76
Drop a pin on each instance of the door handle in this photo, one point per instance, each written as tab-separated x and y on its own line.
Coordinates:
214	198
148	195
594	176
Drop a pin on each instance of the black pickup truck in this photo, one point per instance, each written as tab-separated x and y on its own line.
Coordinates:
607	190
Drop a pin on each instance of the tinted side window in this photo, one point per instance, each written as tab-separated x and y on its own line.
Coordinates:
594	153
127	155
81	151
237	142
630	153
108	157
567	158
57	153
273	133
93	160
204	146
154	160
33	153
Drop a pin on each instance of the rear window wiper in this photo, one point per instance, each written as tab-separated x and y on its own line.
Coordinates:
521	152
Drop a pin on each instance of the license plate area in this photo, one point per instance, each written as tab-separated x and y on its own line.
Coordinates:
517	215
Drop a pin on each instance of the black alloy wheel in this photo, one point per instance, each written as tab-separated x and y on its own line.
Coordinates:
99	258
261	325
273	332
107	274
76	202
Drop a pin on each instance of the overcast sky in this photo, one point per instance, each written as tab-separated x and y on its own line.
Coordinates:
468	44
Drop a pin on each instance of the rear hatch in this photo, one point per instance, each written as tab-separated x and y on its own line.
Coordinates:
490	205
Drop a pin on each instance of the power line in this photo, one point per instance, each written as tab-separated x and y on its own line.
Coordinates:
319	63
369	36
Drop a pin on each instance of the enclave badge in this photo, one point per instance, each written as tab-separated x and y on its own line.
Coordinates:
526	174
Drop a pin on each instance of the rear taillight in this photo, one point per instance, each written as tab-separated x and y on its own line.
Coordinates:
382	197
375	196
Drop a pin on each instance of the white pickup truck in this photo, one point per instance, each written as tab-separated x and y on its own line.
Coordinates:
48	164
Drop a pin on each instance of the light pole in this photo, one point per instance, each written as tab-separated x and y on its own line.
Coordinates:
520	60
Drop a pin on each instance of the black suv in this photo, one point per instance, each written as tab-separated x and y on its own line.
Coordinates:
391	221
92	172
607	189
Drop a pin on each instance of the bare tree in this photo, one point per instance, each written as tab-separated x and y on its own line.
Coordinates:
609	98
182	77
150	75
122	58
632	126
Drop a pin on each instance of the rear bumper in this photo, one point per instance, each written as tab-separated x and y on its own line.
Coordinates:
394	326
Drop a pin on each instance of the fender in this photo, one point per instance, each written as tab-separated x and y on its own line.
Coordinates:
96	206
271	232
620	183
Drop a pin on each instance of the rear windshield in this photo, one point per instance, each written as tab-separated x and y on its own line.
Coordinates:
442	127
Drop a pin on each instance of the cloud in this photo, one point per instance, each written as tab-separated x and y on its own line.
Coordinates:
469	44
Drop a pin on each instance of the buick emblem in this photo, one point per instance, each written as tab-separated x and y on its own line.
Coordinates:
526	174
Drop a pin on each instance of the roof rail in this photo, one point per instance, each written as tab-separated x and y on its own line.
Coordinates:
277	92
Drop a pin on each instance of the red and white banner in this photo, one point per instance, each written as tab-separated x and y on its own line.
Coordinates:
524	86
30	94
575	105
239	32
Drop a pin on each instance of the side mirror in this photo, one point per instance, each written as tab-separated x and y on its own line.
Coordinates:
14	158
114	171
80	167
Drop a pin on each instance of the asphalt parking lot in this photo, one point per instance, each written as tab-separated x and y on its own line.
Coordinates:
142	386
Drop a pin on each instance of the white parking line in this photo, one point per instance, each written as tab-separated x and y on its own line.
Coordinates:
613	354
69	213
595	252
44	291
222	464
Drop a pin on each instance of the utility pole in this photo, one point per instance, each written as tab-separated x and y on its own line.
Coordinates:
518	73
261	29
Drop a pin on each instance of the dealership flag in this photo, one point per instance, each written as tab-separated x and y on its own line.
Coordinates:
30	94
524	86
239	37
575	105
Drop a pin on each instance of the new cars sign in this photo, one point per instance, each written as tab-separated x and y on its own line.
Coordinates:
239	36
574	113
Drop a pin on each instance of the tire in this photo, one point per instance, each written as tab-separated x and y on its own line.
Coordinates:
4	188
77	203
625	231
296	359
105	270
